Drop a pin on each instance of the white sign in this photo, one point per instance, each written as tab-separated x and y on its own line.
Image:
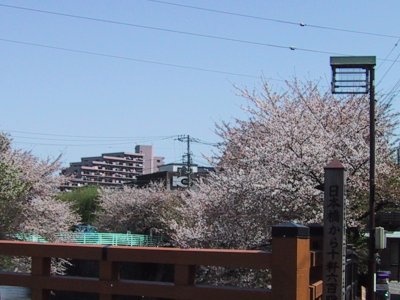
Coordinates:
180	181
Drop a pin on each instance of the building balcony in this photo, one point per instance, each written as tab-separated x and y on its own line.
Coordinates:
104	163
123	159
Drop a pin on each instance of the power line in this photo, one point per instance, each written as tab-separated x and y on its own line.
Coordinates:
202	163
255	43
394	91
391	66
388	70
78	140
172	31
94	137
206	143
389	93
127	58
390	52
302	24
112	141
69	145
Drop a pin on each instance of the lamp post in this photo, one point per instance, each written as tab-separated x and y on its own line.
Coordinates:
355	75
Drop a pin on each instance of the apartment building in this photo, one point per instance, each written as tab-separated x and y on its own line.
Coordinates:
153	163
110	169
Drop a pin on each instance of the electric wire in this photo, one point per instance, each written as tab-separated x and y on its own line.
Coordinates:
302	24
127	58
207	143
390	52
76	140
91	136
174	31
179	31
255	43
389	93
388	69
200	161
167	29
69	145
394	91
170	31
38	138
392	64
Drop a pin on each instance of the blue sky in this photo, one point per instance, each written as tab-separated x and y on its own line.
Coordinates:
142	85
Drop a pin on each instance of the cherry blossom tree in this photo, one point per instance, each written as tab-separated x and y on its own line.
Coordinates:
271	163
28	189
138	210
28	204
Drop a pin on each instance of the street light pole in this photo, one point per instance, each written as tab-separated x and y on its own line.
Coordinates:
371	252
356	75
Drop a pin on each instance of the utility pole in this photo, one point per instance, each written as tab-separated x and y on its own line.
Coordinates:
187	139
398	154
189	160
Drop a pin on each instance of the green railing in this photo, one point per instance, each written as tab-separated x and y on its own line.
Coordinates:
99	238
28	238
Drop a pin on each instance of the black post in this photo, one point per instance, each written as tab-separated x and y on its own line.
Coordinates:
189	163
351	81
371	260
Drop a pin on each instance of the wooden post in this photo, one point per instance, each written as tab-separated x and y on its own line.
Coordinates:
290	262
316	244
108	272
185	275
40	267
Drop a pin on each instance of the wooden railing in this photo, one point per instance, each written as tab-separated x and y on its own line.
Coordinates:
316	241
316	290
290	263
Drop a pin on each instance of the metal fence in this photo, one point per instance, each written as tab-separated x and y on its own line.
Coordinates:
352	284
98	238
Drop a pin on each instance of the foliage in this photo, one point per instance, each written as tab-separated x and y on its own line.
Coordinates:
11	188
139	210
389	195
267	172
84	200
271	163
28	187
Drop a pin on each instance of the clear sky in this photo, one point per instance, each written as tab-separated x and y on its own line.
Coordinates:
75	85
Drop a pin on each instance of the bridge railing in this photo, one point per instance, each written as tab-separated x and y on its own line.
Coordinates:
290	262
